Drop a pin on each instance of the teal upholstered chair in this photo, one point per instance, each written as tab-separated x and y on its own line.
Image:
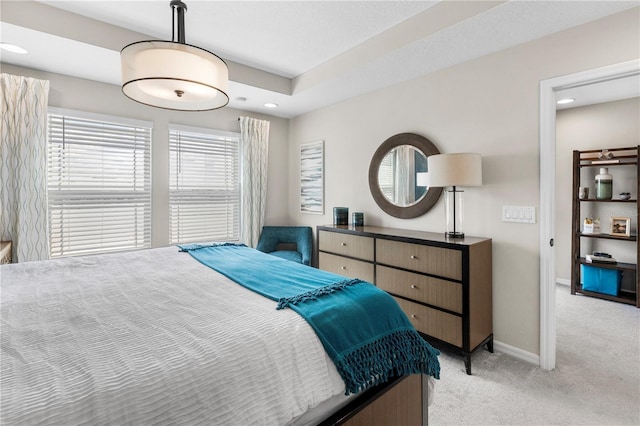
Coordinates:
288	242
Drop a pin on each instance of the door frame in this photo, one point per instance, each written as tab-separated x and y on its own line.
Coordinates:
548	88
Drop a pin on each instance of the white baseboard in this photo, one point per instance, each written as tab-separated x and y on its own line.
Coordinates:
563	281
516	352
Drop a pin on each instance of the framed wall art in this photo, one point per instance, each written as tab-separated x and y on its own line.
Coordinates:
312	177
621	226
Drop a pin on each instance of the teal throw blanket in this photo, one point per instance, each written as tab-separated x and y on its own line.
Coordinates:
362	328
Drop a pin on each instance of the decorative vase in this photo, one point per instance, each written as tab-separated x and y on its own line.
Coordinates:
341	215
358	218
604	185
583	192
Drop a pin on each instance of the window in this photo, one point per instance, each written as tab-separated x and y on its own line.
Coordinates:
204	187
99	183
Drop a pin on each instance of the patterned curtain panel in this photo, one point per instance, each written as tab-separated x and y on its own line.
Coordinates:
254	138
23	167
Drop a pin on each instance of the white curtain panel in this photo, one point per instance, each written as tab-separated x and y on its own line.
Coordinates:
23	167
254	138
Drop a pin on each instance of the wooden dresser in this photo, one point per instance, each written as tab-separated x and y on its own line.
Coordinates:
443	285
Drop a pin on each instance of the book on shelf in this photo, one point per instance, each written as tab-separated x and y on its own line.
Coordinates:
593	258
605	161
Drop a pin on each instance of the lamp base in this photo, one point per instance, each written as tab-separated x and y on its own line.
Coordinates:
453	205
454	234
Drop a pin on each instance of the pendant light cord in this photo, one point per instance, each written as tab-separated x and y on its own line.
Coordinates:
178	9
173	22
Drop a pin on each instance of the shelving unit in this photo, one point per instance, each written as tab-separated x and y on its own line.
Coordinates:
622	157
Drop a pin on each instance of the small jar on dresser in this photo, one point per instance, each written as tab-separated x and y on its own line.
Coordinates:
443	285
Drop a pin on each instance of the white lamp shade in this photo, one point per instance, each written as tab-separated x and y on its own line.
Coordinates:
172	75
461	169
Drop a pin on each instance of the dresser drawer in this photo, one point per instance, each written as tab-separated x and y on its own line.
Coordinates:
434	291
421	258
344	266
345	244
438	324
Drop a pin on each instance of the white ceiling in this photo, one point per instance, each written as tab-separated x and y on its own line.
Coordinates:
302	55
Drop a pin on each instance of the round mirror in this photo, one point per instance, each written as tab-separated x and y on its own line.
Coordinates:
398	176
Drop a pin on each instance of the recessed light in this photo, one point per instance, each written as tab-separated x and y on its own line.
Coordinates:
271	105
565	101
12	48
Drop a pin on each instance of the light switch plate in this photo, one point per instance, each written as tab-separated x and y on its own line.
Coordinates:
520	214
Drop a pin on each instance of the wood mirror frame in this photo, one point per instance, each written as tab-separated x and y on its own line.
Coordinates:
427	201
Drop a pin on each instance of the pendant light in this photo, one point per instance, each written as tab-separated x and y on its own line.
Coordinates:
172	74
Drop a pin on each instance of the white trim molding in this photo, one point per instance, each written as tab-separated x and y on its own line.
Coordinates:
518	353
547	192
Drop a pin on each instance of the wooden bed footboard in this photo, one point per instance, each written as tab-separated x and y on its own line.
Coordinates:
402	401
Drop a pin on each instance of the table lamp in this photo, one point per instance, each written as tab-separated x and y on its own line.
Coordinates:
454	170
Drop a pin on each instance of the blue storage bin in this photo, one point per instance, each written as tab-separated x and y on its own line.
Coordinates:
601	280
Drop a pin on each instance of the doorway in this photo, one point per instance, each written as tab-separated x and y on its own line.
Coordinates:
548	88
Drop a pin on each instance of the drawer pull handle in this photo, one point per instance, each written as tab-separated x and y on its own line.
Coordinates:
414	256
344	268
414	316
414	286
343	244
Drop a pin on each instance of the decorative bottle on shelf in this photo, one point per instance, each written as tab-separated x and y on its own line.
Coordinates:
604	185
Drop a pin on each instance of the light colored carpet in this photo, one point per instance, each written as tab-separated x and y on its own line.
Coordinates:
596	380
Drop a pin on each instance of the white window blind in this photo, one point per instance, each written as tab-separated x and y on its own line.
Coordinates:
99	183
204	188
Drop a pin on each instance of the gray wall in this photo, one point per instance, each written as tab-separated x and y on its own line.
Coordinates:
489	105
